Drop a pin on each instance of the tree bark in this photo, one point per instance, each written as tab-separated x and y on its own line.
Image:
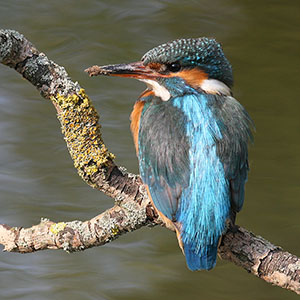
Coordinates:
94	163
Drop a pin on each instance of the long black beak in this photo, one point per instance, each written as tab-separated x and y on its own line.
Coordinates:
133	70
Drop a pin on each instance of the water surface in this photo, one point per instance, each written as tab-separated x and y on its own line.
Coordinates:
37	178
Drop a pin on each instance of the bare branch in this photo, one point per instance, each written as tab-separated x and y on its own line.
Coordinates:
94	163
261	258
77	235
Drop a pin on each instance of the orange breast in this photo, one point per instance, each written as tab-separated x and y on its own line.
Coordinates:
136	116
135	122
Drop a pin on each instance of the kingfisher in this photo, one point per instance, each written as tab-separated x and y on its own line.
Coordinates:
191	138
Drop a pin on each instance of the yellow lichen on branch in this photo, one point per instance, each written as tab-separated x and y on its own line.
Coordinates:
80	127
57	227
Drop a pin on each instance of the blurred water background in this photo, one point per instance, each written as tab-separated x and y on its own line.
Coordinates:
37	178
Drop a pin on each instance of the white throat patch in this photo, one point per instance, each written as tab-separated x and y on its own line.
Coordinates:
159	90
214	86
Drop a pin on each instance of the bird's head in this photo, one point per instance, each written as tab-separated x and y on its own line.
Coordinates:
180	67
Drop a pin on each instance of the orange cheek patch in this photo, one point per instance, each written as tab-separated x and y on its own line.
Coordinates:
193	77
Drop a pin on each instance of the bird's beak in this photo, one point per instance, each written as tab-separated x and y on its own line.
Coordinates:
133	70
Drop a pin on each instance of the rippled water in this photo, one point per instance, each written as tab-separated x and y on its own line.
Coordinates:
37	178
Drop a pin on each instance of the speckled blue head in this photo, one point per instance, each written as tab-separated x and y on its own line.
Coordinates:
204	53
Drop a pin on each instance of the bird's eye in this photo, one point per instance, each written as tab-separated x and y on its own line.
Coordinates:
174	67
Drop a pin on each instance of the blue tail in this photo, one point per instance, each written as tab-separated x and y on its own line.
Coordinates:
196	261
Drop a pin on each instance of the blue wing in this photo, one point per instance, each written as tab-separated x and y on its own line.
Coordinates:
163	155
237	186
236	128
193	157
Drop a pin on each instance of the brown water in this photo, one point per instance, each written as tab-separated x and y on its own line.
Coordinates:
37	178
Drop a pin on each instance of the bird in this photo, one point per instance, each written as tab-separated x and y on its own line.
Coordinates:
191	138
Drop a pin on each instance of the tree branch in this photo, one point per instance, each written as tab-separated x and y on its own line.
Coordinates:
94	163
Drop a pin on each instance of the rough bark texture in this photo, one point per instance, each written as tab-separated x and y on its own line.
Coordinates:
132	210
261	258
76	235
